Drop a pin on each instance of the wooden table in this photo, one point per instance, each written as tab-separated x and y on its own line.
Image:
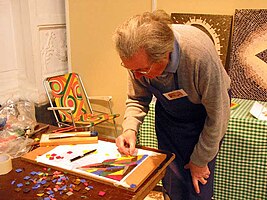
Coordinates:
8	183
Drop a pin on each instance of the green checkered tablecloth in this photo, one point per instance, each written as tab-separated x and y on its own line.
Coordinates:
147	134
241	167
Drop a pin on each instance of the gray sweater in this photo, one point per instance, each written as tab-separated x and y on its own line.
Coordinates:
202	76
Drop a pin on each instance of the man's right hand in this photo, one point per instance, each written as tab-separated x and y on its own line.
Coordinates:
126	142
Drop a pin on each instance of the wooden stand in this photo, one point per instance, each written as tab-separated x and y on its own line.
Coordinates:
153	163
45	141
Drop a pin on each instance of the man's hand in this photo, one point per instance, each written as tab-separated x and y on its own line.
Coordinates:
126	142
199	174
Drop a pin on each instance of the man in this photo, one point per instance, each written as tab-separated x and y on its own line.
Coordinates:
179	65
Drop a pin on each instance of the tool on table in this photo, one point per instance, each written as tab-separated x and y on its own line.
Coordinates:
28	132
64	129
73	134
78	157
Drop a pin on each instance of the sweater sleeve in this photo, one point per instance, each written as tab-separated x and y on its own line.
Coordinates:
213	87
137	103
204	78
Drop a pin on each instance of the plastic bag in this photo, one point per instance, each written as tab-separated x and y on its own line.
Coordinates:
15	146
19	116
16	118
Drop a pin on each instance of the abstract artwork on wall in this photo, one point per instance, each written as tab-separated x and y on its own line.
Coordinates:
217	27
248	62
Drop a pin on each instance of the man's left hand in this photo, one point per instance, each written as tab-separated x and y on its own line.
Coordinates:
198	174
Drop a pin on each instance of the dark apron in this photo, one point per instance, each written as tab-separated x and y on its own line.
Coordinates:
179	123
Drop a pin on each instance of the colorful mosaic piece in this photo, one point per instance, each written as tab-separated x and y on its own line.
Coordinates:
115	169
234	105
51	185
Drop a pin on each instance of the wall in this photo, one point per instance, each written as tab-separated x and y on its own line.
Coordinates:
226	7
90	26
92	54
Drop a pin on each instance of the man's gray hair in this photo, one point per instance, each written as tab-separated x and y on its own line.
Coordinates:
150	31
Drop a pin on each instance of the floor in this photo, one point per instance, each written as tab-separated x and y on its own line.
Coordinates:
154	195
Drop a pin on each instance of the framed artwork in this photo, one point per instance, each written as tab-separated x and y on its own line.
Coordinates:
217	27
248	62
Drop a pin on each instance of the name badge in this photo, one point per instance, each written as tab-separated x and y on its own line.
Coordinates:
176	94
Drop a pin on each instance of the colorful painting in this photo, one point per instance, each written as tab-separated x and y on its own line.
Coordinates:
217	27
248	63
116	168
100	161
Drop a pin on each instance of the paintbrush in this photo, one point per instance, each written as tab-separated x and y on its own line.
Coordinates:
73	134
78	157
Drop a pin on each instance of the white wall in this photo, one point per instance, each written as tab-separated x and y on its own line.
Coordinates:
8	61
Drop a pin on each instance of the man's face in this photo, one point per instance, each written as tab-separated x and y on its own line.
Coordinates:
140	65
